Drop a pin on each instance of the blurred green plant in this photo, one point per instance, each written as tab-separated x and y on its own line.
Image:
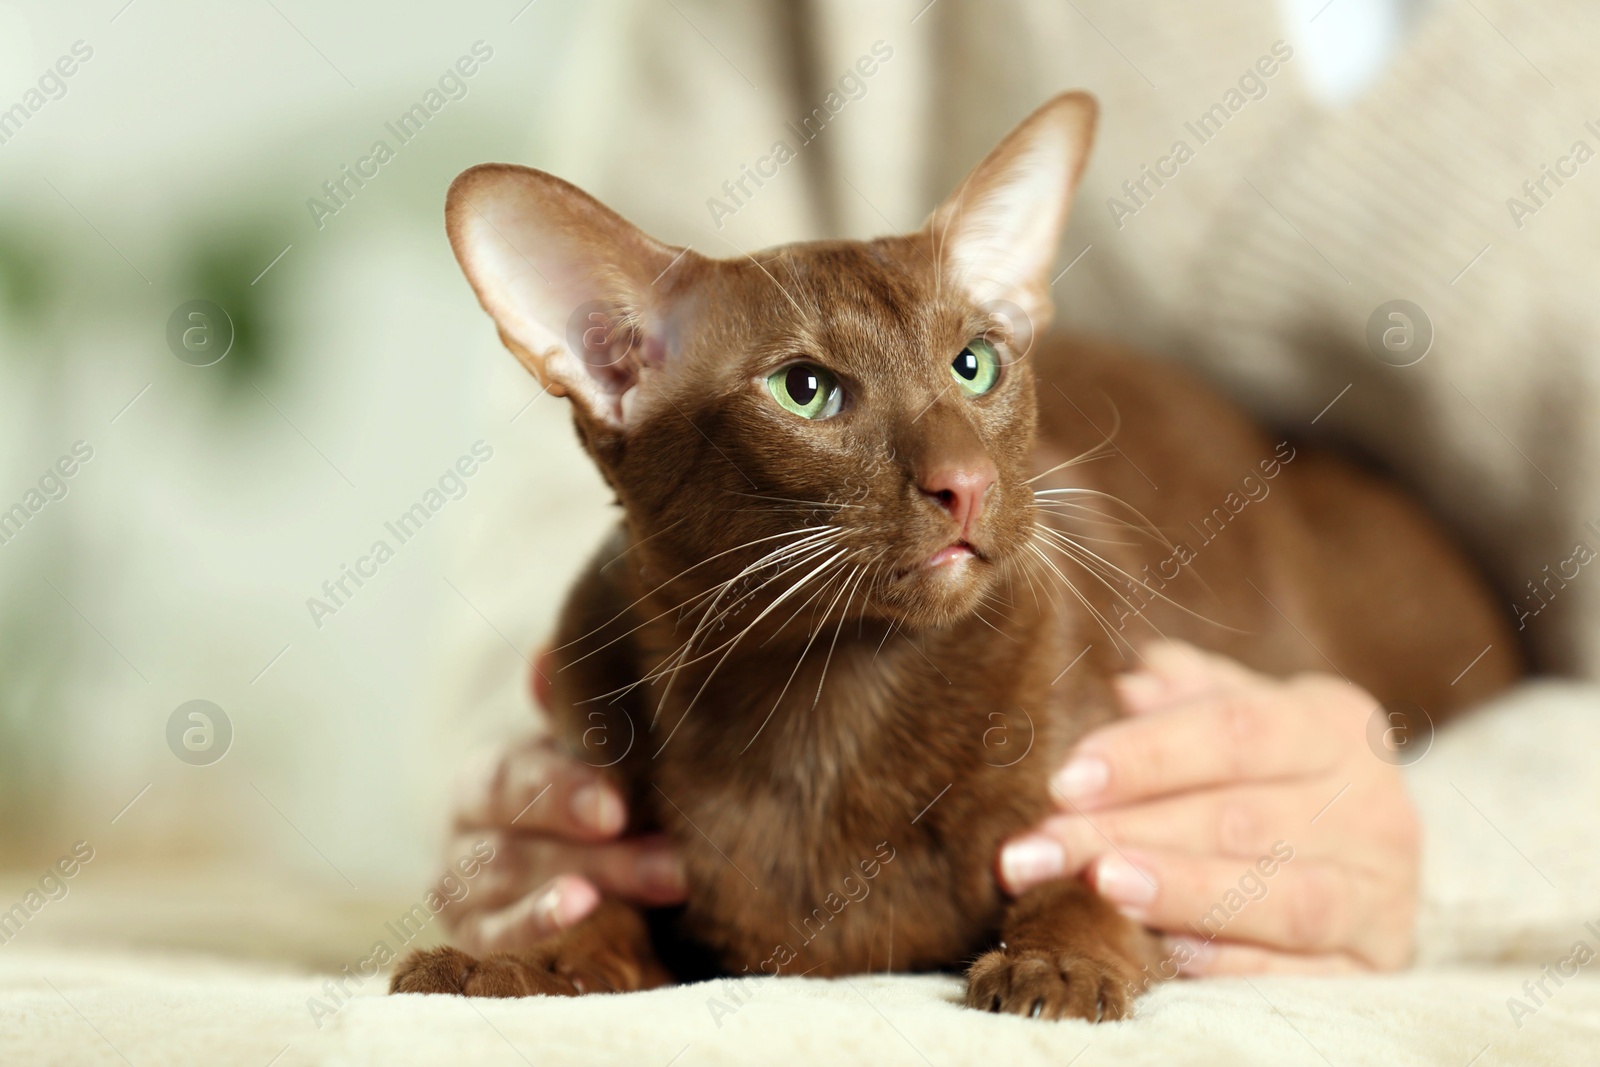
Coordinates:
28	275
219	264
222	266
33	663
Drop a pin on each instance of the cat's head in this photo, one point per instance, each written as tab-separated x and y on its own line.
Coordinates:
830	419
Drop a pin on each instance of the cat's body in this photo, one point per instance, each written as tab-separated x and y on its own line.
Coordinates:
837	657
934	727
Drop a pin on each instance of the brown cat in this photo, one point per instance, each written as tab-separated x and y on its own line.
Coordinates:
866	507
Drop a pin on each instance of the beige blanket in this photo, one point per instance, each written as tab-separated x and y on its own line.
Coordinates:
1509	906
69	1008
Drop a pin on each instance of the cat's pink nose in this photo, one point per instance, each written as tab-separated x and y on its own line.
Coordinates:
961	490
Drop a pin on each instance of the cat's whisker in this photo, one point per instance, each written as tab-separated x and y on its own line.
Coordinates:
784	564
794	500
776	558
809	603
801	556
1149	527
788	265
817	593
734	643
676	577
787	295
680	660
1067	542
889	631
632	545
1103	528
1083	600
976	614
799	662
786	559
1103	449
836	631
1099	451
676	659
1083	521
1076	553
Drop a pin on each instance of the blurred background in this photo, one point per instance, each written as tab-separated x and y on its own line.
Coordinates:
176	166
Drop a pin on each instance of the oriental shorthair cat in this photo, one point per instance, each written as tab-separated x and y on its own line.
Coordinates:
867	503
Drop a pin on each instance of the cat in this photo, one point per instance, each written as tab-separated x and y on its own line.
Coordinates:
871	511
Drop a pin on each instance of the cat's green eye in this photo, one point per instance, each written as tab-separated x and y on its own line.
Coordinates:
807	390
977	368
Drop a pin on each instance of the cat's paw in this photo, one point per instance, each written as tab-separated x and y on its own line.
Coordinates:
432	970
449	970
1049	985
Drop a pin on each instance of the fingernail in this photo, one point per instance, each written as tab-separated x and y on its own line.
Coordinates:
661	872
561	908
1082	777
1139	690
598	808
1030	860
1131	888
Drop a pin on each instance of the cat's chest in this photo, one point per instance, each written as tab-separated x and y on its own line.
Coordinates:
840	883
855	826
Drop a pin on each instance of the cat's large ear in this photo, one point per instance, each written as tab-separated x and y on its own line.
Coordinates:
997	234
569	282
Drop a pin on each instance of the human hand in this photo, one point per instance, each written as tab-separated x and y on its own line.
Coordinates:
1243	816
554	823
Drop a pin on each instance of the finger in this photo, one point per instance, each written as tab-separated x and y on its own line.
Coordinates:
646	870
1242	822
530	786
1194	958
1256	733
554	906
1295	905
1174	672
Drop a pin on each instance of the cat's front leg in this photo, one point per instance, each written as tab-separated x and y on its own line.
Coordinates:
607	952
1064	953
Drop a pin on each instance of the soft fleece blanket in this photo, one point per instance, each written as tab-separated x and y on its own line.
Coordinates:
75	1009
1509	949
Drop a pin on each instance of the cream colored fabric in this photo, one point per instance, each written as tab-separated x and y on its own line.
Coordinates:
1489	900
97	1010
